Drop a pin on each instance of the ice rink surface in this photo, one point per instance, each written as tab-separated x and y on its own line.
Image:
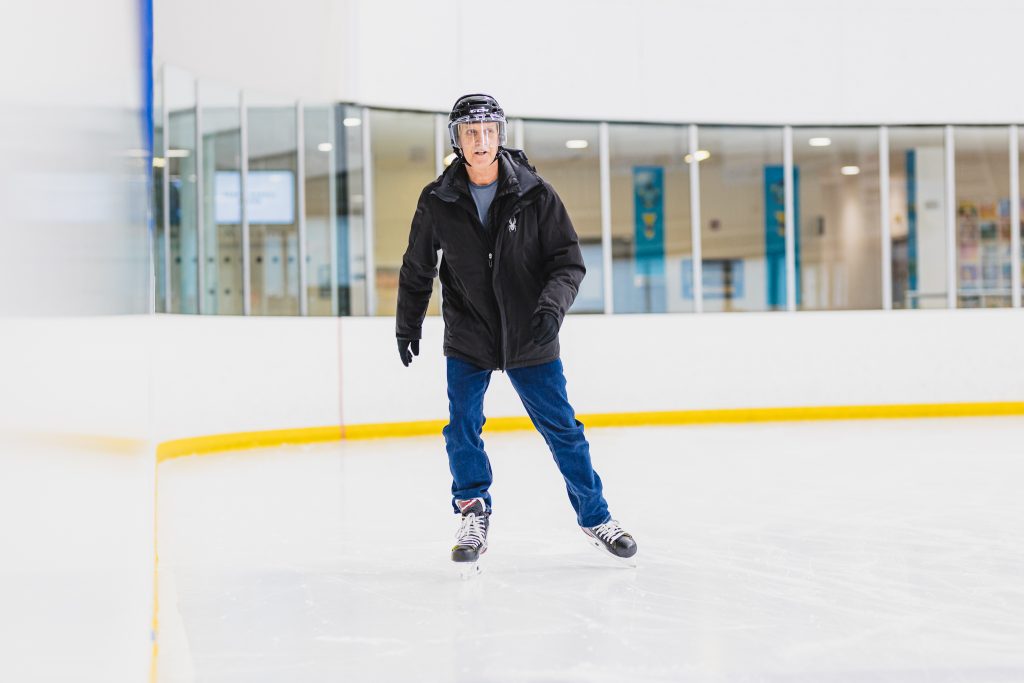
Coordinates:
883	551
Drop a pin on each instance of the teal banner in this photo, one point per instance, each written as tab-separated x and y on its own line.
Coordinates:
649	207
775	234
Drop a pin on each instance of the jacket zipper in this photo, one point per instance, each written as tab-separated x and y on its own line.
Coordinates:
499	360
503	355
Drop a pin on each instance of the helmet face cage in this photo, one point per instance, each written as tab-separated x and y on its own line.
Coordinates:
454	128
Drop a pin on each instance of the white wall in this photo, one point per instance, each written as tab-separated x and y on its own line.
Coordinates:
731	61
219	375
294	49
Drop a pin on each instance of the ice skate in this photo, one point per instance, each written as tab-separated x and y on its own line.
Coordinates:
612	539
471	539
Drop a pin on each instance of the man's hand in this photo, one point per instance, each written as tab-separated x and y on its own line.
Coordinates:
545	328
404	346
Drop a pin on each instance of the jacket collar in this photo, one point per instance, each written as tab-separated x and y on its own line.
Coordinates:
515	176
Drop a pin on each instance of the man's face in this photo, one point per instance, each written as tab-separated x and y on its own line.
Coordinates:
479	142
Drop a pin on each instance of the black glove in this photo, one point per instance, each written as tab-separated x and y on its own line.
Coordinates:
404	346
545	328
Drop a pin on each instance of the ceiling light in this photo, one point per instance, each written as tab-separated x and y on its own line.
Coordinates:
577	144
850	170
350	122
819	142
172	153
325	147
449	159
702	154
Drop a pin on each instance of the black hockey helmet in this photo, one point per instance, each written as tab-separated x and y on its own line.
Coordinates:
475	108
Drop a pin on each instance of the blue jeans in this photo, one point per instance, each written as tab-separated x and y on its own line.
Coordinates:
541	388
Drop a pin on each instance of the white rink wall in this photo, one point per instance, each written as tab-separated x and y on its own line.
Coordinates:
638	363
215	375
224	374
168	376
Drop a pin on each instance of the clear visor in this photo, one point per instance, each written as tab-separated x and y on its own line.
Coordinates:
477	134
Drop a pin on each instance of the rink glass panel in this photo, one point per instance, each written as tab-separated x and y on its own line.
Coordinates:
182	191
575	173
404	161
321	275
272	207
838	213
917	216
159	167
349	219
649	279
982	165
743	167
222	199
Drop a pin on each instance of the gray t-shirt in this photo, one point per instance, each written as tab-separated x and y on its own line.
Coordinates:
483	195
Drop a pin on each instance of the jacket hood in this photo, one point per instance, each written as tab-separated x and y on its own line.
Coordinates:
515	174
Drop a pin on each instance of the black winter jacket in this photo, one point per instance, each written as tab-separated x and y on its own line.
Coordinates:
494	278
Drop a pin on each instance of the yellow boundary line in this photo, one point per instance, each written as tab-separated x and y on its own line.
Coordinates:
219	443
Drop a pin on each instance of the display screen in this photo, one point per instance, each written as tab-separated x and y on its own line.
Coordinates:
271	197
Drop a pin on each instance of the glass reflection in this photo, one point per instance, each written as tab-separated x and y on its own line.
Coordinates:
917	216
182	191
982	216
321	274
838	205
403	163
567	156
159	164
1020	255
222	199
271	203
349	217
742	218
650	212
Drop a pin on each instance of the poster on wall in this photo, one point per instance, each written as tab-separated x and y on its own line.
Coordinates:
911	190
775	234
649	220
983	251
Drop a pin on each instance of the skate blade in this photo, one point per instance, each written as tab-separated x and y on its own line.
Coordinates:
467	570
627	561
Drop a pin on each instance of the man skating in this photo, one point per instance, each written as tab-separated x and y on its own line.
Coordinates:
510	270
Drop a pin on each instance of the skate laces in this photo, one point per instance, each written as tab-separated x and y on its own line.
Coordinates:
609	532
472	531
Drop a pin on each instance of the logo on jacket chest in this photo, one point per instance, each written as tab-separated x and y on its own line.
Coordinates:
512	224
